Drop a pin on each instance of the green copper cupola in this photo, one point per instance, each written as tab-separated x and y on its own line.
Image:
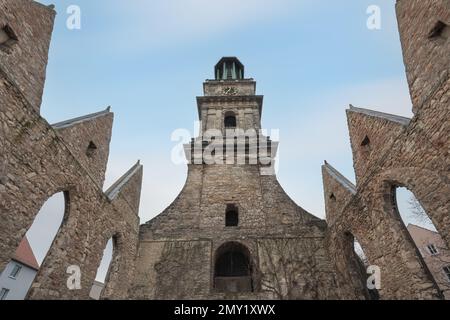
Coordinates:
229	68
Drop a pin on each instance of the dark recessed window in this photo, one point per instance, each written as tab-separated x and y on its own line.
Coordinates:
230	120
332	197
7	37
365	142
91	149
233	264
232	216
439	30
365	147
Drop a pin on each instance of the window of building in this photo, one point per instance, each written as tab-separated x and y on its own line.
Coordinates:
230	120
91	149
432	249
365	142
15	271
4	293
440	30
7	37
232	216
447	272
365	147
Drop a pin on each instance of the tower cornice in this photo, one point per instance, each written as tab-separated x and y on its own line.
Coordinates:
229	99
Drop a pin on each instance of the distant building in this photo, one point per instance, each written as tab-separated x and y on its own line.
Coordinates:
96	290
16	279
435	253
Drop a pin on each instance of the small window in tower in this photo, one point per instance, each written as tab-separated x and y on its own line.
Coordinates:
230	120
440	30
232	216
332	197
91	149
7	38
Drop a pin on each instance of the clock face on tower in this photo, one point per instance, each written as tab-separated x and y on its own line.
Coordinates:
230	91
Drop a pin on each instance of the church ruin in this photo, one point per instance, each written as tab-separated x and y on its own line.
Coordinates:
232	233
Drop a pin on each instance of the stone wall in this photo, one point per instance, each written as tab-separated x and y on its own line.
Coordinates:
38	160
293	255
25	61
286	243
391	151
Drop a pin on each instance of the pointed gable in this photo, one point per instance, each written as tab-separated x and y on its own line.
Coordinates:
129	187
88	139
338	190
371	132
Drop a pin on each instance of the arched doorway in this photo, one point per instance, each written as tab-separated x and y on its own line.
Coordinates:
19	274
233	268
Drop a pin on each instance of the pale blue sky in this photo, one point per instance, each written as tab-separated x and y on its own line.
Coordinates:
148	59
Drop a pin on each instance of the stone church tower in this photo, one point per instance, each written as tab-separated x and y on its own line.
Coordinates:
233	231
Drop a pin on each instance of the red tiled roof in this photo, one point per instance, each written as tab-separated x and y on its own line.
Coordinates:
24	254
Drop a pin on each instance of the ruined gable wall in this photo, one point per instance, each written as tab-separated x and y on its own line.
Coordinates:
25	62
36	163
89	142
416	158
281	236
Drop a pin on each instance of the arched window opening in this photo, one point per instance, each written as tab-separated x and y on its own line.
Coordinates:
230	120
232	216
7	37
103	270
359	264
440	30
233	270
91	149
365	146
431	247
332	197
410	209
20	272
365	142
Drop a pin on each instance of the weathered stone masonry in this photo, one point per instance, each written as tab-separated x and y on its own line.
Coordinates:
226	212
38	160
180	251
391	151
